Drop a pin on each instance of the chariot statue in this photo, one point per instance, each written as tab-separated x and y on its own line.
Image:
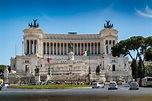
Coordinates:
108	25
35	25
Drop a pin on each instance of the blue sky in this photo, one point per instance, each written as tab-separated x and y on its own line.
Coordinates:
130	18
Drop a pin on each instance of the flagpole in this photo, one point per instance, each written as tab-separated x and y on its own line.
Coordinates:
48	60
49	68
89	70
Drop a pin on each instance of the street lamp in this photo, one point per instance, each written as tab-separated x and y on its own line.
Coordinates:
70	73
89	72
110	71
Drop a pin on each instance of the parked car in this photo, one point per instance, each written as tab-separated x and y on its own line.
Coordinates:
113	85
50	82
134	85
57	82
97	85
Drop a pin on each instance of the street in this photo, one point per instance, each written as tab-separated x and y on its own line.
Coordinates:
76	94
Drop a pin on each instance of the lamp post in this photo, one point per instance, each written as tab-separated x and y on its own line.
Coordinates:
110	71
89	72
37	72
70	73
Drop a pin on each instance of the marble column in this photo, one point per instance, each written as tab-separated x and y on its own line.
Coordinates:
56	48
87	46
34	47
80	49
74	48
45	47
77	48
102	46
90	48
63	49
53	48
60	48
49	48
66	48
29	46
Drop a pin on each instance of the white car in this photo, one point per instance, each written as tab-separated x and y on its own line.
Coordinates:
134	85
113	85
97	85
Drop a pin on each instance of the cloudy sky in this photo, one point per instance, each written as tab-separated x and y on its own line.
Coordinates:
129	17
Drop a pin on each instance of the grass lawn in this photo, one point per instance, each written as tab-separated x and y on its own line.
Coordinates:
51	86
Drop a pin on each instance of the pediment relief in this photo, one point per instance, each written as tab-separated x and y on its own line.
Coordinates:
110	36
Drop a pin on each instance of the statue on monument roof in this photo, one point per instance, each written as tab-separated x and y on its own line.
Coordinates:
108	25
35	25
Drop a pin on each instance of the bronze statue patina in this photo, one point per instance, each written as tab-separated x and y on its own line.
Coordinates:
70	45
36	70
36	25
108	25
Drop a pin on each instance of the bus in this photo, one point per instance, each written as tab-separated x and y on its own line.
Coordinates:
146	81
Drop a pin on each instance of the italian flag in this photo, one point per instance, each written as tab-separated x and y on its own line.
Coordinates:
85	53
48	59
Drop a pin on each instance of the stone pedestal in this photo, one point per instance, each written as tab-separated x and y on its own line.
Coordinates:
98	77
37	79
48	77
130	78
110	78
71	56
102	78
28	73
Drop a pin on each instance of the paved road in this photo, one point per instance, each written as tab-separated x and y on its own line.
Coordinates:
76	94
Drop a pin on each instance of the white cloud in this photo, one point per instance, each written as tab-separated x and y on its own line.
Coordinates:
147	12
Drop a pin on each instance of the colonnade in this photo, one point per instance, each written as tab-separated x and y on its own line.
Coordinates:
57	48
109	44
30	46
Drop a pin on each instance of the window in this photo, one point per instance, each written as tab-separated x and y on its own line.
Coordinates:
106	42
26	68
110	42
113	60
26	61
113	68
113	42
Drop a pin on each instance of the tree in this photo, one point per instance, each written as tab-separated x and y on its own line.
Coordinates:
141	70
2	68
139	46
148	40
148	70
148	54
134	69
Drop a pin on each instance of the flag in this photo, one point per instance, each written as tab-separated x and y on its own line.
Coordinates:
48	59
85	53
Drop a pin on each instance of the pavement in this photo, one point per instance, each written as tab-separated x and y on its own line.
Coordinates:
76	94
